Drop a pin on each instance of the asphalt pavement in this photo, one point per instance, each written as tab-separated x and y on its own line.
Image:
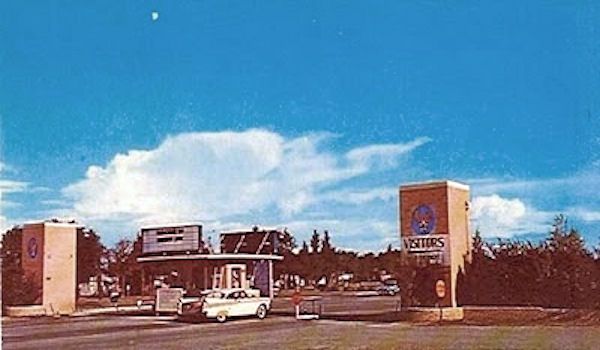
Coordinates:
281	331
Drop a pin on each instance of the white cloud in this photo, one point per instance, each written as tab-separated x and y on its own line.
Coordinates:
11	186
381	156
584	214
221	176
4	225
8	187
496	216
357	196
575	195
583	184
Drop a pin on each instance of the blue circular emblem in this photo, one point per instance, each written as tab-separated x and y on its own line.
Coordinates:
423	220
32	248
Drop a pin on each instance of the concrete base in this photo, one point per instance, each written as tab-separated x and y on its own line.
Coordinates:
433	314
35	310
25	311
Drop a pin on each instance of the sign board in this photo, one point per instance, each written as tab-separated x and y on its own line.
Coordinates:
167	299
440	289
424	244
425	234
171	239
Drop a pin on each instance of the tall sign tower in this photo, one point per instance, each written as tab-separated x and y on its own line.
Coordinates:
49	262
434	225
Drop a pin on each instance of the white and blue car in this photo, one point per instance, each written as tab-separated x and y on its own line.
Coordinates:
223	304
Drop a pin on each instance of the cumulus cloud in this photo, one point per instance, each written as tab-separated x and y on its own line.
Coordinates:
496	216
500	216
216	176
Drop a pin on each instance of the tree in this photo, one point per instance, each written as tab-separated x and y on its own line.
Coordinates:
123	263
12	274
285	242
285	246
16	288
89	255
326	243
558	272
571	272
315	243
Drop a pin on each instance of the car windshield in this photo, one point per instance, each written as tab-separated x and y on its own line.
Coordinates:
215	295
236	295
391	282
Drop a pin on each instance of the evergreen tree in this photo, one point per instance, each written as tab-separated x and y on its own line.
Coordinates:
315	243
89	255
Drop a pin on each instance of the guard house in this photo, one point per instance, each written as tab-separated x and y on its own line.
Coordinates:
178	255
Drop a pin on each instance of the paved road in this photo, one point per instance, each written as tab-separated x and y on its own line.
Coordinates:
343	304
279	332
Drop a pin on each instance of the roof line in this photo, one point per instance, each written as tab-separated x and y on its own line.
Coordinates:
210	257
433	184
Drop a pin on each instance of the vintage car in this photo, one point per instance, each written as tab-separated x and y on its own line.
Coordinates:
225	303
388	287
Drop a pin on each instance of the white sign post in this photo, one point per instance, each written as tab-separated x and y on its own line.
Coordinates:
440	291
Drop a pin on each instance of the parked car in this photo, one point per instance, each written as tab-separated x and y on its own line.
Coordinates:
388	287
225	303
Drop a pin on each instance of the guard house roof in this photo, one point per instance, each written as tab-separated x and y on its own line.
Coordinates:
255	240
175	224
252	229
209	257
53	222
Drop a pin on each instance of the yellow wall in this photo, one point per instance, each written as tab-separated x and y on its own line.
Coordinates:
60	268
458	227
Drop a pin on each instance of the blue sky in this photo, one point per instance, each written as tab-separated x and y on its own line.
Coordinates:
313	112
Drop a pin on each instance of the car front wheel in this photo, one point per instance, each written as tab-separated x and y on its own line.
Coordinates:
261	312
221	317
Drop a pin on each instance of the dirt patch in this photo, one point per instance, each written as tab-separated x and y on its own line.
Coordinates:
524	316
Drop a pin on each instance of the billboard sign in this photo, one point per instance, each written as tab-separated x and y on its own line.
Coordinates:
423	237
